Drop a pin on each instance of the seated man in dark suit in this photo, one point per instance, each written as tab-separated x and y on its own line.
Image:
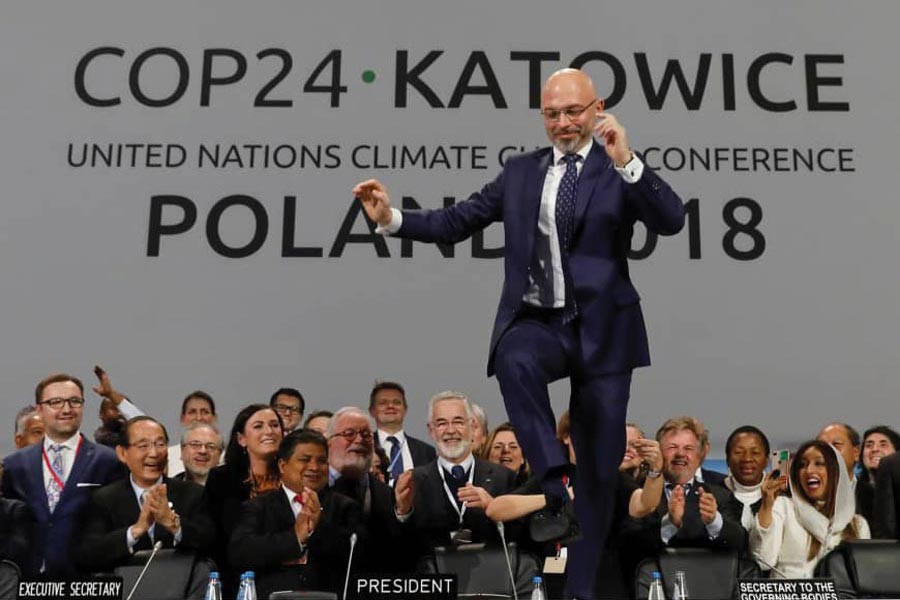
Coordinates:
387	405
55	477
350	453
16	524
297	537
133	514
689	513
447	498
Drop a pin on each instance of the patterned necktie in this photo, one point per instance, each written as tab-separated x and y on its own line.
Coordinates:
395	461
565	203
565	225
54	490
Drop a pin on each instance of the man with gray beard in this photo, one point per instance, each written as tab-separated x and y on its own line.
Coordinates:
444	501
350	448
201	450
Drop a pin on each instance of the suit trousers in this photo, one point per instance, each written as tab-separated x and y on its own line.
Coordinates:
536	350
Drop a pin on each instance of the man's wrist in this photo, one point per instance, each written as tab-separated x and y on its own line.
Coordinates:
628	159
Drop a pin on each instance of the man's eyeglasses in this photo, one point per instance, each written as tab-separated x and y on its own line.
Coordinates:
284	408
350	434
572	113
145	446
198	446
57	403
457	423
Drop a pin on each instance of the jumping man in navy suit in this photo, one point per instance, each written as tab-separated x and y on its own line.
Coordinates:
568	308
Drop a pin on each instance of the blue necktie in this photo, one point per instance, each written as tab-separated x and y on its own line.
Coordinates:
565	225
395	459
565	203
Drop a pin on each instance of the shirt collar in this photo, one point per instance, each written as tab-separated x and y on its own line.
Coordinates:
582	152
467	464
138	490
384	435
70	443
289	493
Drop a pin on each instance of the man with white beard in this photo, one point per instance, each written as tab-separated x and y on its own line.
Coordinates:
444	500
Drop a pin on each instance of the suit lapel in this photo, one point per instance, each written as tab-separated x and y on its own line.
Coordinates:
596	165
83	458
35	474
484	476
533	190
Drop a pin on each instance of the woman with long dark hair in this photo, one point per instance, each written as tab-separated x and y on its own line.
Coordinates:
790	535
250	469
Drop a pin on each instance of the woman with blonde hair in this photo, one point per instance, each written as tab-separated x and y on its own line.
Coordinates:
790	535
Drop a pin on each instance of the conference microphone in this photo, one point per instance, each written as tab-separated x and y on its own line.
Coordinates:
349	564
512	580
156	548
759	559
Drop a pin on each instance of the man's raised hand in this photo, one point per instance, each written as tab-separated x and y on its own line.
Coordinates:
375	200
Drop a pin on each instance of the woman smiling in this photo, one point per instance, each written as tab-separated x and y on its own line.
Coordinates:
790	535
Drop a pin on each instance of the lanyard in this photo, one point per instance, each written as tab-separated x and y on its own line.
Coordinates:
454	501
53	473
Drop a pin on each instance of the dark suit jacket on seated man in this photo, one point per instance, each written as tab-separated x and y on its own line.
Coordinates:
568	308
350	451
131	515
689	513
448	497
298	537
56	476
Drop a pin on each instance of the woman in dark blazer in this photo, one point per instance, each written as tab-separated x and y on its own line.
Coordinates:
250	470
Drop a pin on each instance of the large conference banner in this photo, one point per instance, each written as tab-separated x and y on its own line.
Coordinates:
176	203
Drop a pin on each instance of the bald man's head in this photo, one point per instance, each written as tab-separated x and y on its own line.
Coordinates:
570	107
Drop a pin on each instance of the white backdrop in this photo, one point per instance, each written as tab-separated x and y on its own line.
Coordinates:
802	333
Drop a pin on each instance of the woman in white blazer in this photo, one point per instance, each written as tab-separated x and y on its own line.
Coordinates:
790	535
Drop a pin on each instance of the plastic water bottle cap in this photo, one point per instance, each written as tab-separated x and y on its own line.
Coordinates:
213	573
250	574
657	575
536	579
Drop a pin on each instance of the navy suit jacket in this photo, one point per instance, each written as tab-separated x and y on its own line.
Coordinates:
612	333
55	536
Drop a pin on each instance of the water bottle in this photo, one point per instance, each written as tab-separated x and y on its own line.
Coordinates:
656	588
537	590
242	589
251	586
679	590
214	587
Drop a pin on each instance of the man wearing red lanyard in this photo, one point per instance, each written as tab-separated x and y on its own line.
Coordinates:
55	477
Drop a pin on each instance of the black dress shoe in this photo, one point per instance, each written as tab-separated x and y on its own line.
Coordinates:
555	525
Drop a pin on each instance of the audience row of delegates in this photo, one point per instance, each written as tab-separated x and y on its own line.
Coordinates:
120	519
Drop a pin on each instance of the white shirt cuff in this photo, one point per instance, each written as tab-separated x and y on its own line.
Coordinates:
667	529
715	528
632	170
129	410
392	227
